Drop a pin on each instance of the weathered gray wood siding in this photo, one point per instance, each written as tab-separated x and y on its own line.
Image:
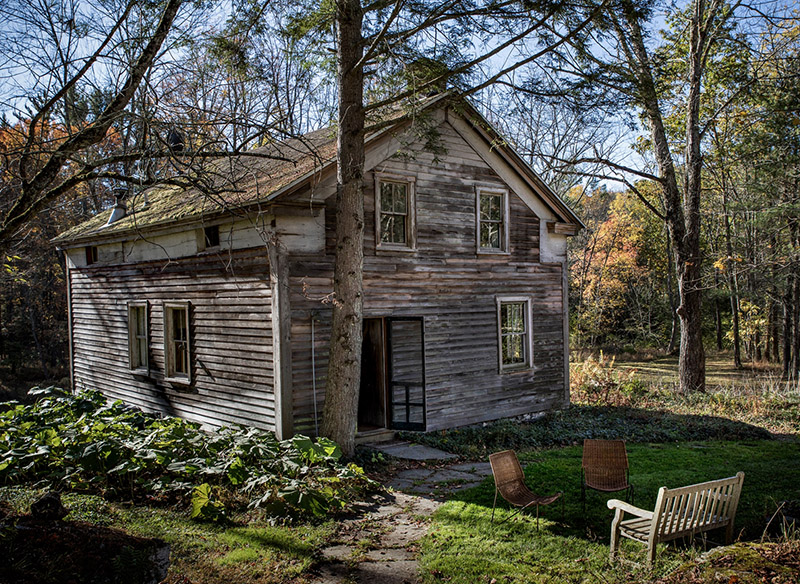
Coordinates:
230	331
452	287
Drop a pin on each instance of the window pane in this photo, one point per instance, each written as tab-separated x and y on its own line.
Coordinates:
139	318
513	349
400	199
490	235
387	228
513	317
398	230
179	325
141	358
491	207
387	197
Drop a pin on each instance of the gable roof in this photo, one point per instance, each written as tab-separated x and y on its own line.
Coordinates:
264	174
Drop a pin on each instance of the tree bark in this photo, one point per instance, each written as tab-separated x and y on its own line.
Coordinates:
344	366
682	210
733	286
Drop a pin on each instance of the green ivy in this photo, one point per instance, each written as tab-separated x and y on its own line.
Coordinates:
80	442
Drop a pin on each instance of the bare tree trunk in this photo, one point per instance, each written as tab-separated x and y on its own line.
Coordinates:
787	330
682	210
35	335
732	283
673	304
344	367
794	373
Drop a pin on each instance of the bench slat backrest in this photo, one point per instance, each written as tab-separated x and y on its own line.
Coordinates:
695	508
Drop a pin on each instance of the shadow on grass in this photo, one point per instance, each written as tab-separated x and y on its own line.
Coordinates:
465	546
574	424
772	473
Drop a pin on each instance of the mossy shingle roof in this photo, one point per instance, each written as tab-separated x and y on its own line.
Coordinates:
228	183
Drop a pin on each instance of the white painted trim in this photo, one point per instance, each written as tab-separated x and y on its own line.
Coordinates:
168	364
528	366
505	239
411	204
145	369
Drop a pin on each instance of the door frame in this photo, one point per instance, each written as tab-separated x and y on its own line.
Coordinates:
390	397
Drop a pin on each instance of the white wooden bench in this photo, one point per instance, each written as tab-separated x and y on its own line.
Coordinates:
680	512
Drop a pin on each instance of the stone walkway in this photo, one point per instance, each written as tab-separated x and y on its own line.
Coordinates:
378	547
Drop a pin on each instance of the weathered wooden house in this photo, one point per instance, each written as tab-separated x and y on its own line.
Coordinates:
214	304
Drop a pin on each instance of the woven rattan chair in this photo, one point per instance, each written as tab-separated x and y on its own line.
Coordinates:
509	482
605	468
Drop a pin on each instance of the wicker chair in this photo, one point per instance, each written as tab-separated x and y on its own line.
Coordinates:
605	468
509	482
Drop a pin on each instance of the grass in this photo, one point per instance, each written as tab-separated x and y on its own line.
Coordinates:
464	546
747	420
203	553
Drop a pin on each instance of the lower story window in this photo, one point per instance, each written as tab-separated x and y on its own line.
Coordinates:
513	315
138	336
177	345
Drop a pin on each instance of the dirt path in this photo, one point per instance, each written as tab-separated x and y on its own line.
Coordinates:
379	545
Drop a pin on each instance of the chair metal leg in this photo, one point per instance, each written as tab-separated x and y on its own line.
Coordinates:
494	504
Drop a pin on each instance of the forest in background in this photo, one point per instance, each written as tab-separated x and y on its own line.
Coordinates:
226	85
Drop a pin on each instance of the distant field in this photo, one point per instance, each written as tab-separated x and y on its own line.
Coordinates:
719	370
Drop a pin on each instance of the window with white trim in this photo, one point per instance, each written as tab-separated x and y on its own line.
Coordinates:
514	333
394	212
492	220
138	336
177	342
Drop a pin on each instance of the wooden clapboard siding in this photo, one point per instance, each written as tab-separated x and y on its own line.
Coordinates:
451	287
231	336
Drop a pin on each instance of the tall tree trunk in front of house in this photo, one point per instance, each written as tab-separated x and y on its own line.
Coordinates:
344	365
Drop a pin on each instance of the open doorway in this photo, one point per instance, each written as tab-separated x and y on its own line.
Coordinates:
372	396
392	393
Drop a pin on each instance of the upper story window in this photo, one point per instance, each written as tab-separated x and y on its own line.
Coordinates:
514	333
177	342
138	336
91	255
492	219
394	212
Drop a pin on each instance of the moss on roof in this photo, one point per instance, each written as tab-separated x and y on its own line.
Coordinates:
228	183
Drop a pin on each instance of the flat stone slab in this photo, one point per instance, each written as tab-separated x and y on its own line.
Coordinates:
483	469
389	555
410	451
339	553
446	475
397	572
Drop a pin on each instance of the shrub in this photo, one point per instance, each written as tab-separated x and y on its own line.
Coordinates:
595	381
82	443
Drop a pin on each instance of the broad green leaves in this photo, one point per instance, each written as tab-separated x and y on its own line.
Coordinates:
80	442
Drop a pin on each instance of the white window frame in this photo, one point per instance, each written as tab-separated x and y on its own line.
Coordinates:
528	343
135	340
504	238
411	215
170	373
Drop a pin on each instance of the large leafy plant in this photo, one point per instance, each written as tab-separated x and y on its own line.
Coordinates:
81	442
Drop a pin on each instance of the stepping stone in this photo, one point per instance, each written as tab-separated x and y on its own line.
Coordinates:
410	451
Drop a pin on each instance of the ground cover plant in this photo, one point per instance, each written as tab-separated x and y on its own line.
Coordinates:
611	400
82	443
247	550
464	546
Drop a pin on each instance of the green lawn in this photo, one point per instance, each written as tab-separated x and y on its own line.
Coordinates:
464	546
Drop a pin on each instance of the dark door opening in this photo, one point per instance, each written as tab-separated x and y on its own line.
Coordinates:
372	395
406	372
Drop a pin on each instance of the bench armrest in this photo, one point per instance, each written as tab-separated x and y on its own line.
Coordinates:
627	507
